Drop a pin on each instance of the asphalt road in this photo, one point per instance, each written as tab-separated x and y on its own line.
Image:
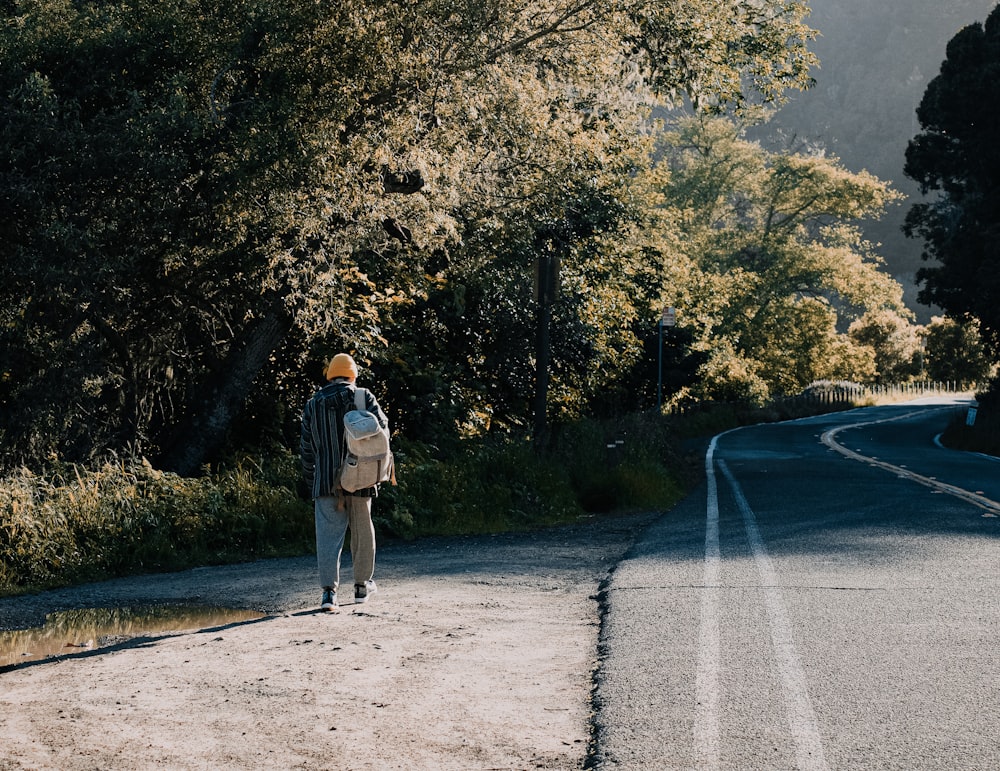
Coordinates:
830	599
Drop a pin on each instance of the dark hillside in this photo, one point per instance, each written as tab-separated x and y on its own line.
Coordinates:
877	57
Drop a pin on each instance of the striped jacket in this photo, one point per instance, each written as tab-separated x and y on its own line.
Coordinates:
322	433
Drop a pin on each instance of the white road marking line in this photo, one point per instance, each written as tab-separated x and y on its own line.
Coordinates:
977	499
801	718
706	724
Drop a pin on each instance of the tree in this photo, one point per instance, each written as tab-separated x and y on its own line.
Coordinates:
956	157
895	341
955	351
200	197
775	265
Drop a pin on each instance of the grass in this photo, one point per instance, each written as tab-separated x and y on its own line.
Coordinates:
493	485
71	524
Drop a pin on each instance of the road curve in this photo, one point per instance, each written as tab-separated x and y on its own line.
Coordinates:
830	599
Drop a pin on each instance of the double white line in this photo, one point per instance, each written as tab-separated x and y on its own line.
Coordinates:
798	707
800	715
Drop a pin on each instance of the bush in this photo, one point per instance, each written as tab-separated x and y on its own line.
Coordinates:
126	517
623	464
74	525
496	484
485	485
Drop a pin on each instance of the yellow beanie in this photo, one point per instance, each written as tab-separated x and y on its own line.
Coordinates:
342	365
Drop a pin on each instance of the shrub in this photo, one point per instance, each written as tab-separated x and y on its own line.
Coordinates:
627	463
485	485
126	517
501	483
74	524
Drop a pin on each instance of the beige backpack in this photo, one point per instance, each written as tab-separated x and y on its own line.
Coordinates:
367	457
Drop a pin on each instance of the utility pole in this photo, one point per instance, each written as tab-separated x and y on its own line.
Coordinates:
546	291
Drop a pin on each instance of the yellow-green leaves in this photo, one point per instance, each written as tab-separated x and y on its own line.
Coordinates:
778	266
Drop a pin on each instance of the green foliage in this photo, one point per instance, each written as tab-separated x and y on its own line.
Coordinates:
895	342
127	517
203	199
956	351
494	484
767	266
689	51
629	462
487	486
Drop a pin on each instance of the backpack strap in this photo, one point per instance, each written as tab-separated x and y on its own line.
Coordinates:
343	432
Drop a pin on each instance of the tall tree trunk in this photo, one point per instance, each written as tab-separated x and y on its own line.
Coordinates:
206	427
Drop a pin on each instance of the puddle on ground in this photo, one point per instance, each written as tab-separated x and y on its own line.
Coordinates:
73	631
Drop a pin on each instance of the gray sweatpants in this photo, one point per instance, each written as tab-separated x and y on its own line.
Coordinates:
331	527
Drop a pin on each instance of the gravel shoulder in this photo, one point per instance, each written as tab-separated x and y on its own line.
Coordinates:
476	653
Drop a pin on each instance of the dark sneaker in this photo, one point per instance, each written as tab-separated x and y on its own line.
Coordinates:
329	600
363	591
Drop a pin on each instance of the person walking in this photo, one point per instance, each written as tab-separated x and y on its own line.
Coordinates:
322	448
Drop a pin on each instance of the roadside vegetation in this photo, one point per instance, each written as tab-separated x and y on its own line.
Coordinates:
71	525
957	164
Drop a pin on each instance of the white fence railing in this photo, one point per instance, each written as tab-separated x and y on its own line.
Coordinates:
835	394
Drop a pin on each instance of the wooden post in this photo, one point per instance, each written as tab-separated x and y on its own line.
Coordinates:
546	289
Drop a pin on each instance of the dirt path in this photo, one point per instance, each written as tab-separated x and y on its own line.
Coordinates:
477	653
